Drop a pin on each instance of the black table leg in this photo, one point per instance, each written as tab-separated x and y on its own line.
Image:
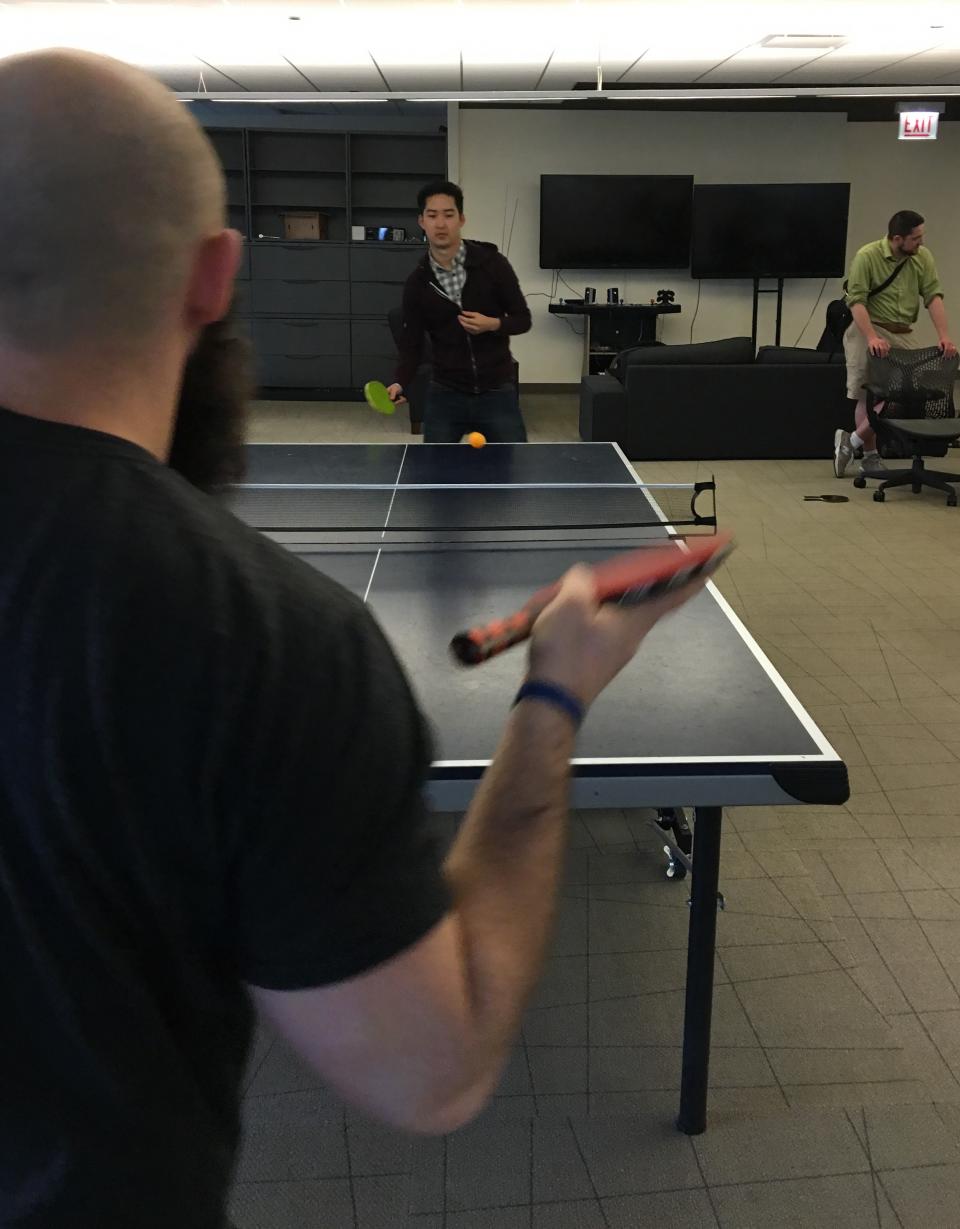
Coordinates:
701	944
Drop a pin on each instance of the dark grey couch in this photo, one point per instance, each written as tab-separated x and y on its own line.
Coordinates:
716	400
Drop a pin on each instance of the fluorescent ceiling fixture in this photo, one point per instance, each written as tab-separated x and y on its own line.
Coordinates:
802	42
713	93
99	28
283	100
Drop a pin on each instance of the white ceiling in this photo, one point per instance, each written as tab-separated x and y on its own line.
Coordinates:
337	46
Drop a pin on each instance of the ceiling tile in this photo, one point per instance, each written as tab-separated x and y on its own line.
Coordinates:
339	77
925	67
832	67
422	77
365	6
157	4
553	43
569	65
320	7
411	55
185	78
279	76
497	77
711	53
566	76
663	70
757	66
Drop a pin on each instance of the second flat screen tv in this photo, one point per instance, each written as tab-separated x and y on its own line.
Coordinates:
769	230
615	221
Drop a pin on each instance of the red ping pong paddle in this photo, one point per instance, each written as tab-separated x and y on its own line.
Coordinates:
637	576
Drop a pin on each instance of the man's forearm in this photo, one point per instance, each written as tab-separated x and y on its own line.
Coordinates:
938	314
862	320
504	870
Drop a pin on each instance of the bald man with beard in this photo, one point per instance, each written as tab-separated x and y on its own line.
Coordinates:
211	763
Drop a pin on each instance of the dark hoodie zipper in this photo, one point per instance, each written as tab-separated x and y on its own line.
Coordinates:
473	358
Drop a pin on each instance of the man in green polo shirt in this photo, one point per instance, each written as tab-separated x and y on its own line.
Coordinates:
885	319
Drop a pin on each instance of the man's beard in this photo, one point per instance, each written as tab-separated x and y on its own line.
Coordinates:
209	434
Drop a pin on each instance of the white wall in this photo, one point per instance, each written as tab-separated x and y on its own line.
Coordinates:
502	154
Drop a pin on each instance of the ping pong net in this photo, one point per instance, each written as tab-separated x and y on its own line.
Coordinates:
368	513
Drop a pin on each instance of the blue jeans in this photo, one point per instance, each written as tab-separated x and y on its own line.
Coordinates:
450	415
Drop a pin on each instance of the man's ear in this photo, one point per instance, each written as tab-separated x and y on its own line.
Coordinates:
212	278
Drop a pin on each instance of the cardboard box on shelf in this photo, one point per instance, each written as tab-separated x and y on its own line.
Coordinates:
304	224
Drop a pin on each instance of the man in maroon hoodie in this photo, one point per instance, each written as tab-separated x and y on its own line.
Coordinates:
465	295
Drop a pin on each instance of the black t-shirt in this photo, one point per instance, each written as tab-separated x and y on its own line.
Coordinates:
211	771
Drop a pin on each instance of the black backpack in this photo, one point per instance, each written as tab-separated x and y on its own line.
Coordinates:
840	317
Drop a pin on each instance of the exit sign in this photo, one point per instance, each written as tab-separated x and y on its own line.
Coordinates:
918	125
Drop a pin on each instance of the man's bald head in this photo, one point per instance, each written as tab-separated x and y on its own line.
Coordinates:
107	187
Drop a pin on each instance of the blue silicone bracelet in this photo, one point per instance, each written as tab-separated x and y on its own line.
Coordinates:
551	693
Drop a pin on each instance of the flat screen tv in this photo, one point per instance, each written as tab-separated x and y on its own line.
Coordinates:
615	221
769	230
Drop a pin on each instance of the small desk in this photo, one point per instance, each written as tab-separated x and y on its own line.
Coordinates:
612	327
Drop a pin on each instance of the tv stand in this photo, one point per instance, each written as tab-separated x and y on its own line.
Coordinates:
612	327
757	292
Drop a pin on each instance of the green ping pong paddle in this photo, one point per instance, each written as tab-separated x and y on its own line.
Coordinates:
378	398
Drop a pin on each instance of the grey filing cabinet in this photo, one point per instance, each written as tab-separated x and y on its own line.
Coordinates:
377	274
300	307
316	311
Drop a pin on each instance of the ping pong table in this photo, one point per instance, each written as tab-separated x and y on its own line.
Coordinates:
439	537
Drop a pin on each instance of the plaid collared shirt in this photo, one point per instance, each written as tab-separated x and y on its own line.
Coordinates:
452	280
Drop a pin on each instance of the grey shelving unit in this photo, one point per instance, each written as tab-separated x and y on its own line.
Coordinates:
316	310
229	144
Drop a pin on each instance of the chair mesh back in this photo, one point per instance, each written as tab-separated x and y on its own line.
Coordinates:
914	383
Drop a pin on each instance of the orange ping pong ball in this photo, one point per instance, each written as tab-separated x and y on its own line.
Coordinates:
476	440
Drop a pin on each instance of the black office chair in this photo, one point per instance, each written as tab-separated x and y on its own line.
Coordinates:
917	419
